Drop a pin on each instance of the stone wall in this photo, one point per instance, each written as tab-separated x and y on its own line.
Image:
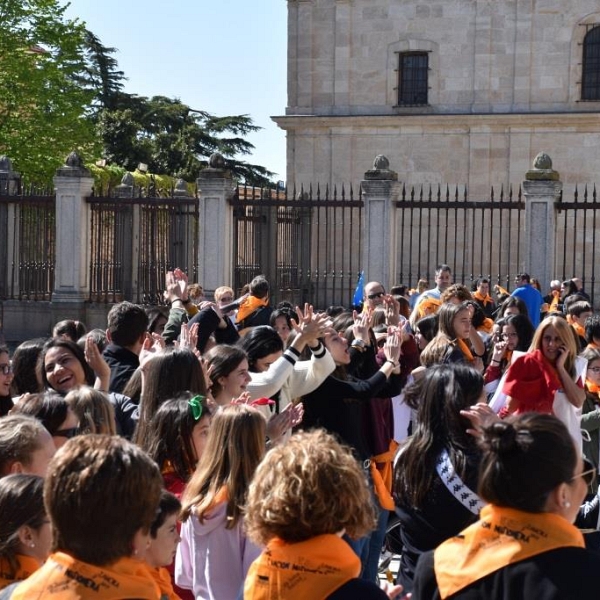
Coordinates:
504	82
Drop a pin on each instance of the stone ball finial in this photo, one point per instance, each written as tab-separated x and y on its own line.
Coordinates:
74	160
216	161
127	179
381	163
542	161
542	169
5	163
181	185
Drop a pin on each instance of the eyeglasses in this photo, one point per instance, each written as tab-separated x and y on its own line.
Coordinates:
594	369
589	473
6	369
376	295
69	433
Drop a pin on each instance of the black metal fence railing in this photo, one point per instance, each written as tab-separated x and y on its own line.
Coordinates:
482	238
576	239
27	243
135	241
306	242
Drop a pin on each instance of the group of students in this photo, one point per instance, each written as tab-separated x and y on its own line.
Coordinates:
207	454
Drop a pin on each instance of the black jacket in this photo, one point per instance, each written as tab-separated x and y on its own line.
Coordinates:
122	363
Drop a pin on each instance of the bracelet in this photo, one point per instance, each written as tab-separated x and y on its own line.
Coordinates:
391	362
495	361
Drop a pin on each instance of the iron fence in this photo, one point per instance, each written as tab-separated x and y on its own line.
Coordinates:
576	237
135	241
477	238
306	242
27	243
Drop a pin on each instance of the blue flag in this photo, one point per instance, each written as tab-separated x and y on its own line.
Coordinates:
359	291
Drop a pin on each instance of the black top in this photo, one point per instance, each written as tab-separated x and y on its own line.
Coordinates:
336	405
208	324
356	589
562	574
261	316
441	517
122	363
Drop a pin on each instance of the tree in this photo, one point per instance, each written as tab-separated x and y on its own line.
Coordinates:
42	106
172	138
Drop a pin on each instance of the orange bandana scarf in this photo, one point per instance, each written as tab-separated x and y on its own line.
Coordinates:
555	301
465	350
487	326
314	568
382	466
483	299
26	566
593	388
162	577
248	306
428	306
502	537
63	577
579	330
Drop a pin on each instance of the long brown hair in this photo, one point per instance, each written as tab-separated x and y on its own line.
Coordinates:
235	446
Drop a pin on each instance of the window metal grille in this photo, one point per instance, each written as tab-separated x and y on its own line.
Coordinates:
590	81
413	70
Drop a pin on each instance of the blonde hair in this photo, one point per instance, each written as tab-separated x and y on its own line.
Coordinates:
94	410
235	446
221	291
310	486
567	337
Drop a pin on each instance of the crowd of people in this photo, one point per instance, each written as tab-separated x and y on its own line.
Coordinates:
233	449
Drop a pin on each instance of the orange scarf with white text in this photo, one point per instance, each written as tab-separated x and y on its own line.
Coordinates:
63	577
314	568
502	537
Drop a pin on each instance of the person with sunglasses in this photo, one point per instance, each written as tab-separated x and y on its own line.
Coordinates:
525	544
53	411
376	296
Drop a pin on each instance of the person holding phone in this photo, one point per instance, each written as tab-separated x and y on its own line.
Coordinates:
549	378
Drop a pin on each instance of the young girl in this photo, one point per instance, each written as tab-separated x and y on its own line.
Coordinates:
176	438
214	554
164	538
451	343
25	534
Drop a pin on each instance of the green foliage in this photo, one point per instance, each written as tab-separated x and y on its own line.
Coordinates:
42	107
171	137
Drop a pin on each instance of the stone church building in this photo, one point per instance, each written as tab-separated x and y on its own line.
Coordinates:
451	91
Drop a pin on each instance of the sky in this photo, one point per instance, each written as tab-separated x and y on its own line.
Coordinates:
227	57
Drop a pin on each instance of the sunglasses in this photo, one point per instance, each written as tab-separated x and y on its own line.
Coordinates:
69	433
589	473
376	295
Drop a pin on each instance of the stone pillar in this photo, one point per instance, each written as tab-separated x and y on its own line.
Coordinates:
215	230
541	190
9	186
380	191
73	183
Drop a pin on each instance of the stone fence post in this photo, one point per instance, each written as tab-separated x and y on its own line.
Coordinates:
73	183
215	231
541	189
380	191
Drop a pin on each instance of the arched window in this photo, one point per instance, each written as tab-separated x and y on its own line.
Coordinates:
590	80
413	73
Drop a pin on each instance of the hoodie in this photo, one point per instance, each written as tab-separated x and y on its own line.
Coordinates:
211	560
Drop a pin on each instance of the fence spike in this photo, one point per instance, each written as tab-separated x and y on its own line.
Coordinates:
351	198
466	193
575	194
318	191
594	194
343	192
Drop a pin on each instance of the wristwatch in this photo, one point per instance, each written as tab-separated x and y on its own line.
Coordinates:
358	344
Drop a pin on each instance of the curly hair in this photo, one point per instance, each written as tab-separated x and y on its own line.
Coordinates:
310	486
